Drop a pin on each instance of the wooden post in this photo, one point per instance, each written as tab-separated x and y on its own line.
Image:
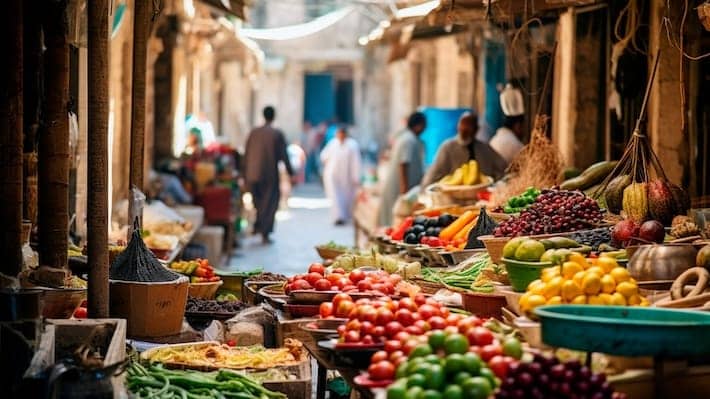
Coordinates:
11	140
54	139
97	158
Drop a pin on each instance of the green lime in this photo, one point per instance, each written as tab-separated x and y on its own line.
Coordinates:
435	377
512	348
416	380
414	392
455	343
529	251
477	388
548	255
420	351
436	339
451	392
432	359
429	394
397	391
454	363
472	362
512	246
461	376
401	370
413	365
489	375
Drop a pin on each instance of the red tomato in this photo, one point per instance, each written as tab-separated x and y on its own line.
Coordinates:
339	270
352	336
80	312
342	282
378	331
393	345
402	337
433	302
383	316
363	301
438	323
366	313
391	305
316	268
488	351
475	349
322	285
334	277
379	356
291	279
364	285
313	277
468	323
341	330
356	275
416	316
393	328
366	327
379	287
367	340
396	357
414	330
404	316
424	240
343	308
407	303
395	278
380	371
387	288
453	319
301	285
428	311
499	365
423	324
409	345
451	329
341	297
353	325
348	288
420	299
325	309
444	312
480	336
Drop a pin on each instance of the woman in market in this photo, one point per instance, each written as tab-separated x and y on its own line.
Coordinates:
458	150
341	174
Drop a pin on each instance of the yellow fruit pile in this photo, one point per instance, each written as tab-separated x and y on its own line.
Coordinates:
580	281
467	174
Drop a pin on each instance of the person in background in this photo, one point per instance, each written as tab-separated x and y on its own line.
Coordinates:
341	174
406	166
458	150
266	147
507	140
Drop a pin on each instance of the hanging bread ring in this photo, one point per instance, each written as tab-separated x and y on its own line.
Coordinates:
698	274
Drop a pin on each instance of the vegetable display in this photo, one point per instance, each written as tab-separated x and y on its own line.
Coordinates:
462	276
377	282
517	203
209	305
199	270
138	263
155	381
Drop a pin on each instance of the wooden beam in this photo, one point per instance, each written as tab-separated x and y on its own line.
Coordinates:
97	158
11	140
141	31
54	138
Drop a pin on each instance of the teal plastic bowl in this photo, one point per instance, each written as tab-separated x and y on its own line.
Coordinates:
625	330
522	273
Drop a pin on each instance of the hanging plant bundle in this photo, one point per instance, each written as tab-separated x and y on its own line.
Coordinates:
539	164
138	263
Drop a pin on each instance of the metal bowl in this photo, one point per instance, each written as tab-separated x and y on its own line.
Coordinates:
661	261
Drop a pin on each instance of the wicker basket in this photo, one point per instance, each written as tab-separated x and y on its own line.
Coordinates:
494	246
465	192
483	304
329	253
204	290
427	287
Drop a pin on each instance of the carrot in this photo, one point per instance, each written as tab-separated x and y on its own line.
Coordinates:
450	231
463	233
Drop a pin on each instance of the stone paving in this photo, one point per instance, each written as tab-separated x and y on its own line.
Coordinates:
300	227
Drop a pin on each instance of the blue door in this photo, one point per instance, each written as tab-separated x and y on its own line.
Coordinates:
319	98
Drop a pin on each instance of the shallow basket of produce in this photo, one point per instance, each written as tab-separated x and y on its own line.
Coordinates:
626	331
521	273
483	304
60	303
204	290
453	258
355	355
322	329
251	293
329	253
297	311
464	192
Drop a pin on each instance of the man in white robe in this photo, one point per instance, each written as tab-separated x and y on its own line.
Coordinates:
341	174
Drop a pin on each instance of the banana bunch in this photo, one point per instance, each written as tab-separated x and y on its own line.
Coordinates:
467	174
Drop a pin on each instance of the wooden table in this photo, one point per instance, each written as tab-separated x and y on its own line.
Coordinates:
326	362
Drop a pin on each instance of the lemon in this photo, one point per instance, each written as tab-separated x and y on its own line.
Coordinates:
536	287
576	257
536	300
644	302
552	288
627	289
591	284
570	290
549	273
578	278
606	298
608	284
511	246
634	300
555	300
607	263
596	270
569	269
523	301
618	299
579	300
595	300
620	274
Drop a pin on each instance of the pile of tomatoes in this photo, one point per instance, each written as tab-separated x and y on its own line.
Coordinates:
378	282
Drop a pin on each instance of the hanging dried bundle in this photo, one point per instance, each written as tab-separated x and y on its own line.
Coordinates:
538	164
138	263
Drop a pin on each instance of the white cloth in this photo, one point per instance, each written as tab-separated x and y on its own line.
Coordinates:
506	143
341	175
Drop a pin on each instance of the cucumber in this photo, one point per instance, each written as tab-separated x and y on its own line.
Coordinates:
591	176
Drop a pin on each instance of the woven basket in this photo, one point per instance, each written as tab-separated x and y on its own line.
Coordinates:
204	290
494	246
427	287
465	192
329	253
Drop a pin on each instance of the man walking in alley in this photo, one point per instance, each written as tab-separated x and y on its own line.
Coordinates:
341	174
266	147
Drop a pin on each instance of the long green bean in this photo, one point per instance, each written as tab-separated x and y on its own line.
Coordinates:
461	276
